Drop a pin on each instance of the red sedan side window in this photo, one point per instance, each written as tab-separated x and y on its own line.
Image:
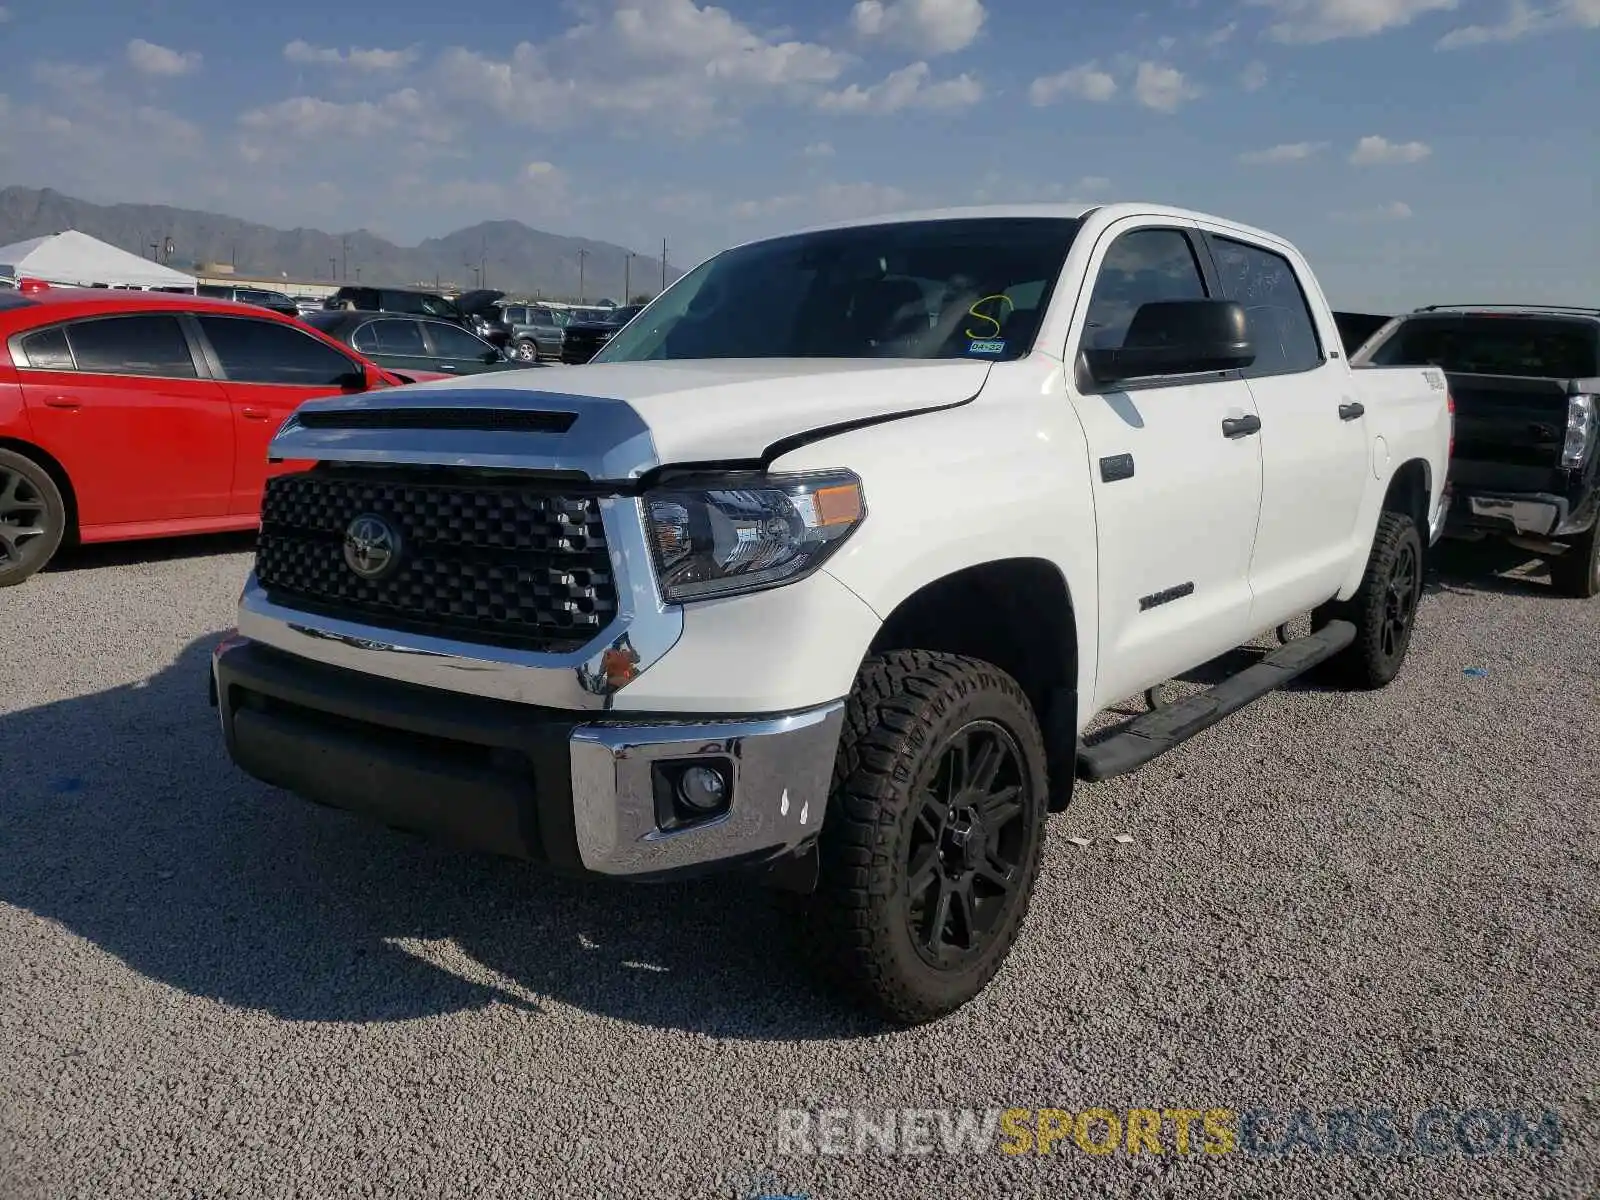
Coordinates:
252	351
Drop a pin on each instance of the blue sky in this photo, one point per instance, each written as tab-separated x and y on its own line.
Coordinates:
1416	150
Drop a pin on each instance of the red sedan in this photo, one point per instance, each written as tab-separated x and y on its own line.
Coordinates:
145	414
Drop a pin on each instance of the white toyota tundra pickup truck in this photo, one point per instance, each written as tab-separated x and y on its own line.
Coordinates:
824	564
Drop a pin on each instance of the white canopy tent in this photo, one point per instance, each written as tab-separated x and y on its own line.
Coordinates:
75	259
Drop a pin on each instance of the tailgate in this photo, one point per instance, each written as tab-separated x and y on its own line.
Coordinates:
1509	420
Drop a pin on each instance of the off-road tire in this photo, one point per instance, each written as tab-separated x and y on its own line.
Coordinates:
1577	572
1375	657
905	711
28	494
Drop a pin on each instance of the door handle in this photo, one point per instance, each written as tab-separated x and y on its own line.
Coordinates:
447	366
253	414
1238	427
1349	412
62	402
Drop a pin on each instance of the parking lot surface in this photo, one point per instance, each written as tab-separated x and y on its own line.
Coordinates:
207	988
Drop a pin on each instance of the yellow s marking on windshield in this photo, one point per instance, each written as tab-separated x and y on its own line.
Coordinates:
973	311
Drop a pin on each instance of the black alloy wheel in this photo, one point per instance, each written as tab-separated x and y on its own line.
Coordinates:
1400	602
931	845
964	860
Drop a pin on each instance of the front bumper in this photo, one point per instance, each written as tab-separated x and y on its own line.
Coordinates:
582	792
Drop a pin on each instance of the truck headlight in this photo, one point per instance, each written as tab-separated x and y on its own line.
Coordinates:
726	536
1581	419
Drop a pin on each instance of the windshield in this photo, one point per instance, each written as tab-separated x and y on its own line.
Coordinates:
1534	347
918	289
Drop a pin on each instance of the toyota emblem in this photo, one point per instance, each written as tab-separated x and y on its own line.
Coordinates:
371	546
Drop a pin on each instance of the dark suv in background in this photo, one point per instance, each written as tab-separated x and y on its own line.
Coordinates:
277	302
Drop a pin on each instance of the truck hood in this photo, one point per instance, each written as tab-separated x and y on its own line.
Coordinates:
620	420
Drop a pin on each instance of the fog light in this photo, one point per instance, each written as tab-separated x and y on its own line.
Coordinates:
703	788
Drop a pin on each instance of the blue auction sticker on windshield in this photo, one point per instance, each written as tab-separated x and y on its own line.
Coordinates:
987	346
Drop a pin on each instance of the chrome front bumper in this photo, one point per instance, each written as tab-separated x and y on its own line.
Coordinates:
780	770
576	790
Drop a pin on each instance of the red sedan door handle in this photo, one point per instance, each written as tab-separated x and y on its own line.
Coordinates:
253	414
62	402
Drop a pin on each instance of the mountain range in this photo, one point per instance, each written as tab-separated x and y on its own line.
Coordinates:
507	254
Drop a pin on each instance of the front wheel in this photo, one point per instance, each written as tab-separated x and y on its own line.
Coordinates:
1577	572
525	350
1383	610
931	845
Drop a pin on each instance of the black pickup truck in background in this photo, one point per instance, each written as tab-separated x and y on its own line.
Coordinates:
1526	384
1356	327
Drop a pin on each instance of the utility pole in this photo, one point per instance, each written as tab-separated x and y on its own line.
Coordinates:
155	251
483	261
344	258
333	268
627	273
582	296
663	264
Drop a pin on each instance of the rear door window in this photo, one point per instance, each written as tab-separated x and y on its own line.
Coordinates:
47	350
398	337
1281	327
253	351
147	344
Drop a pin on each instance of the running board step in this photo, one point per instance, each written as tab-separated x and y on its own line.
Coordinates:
1154	733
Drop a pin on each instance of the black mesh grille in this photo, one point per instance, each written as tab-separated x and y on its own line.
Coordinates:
481	560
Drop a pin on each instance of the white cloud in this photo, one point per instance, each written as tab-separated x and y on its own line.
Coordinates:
5	14
1374	151
1218	37
996	188
1287	152
1254	77
831	202
68	77
1309	21
818	150
921	26
1085	82
273	130
1523	19
151	59
710	39
909	87
1090	185
664	64
1163	88
356	58
1395	210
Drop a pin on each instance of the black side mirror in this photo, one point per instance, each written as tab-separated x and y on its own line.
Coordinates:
355	381
1176	337
492	355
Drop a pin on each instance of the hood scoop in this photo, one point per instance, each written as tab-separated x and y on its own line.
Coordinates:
493	428
482	420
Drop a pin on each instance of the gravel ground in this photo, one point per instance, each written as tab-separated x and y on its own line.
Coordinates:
210	989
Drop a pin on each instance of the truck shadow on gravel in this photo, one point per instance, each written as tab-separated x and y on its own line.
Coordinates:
122	820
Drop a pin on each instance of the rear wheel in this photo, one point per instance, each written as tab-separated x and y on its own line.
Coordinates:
1577	572
1383	610
931	846
33	517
